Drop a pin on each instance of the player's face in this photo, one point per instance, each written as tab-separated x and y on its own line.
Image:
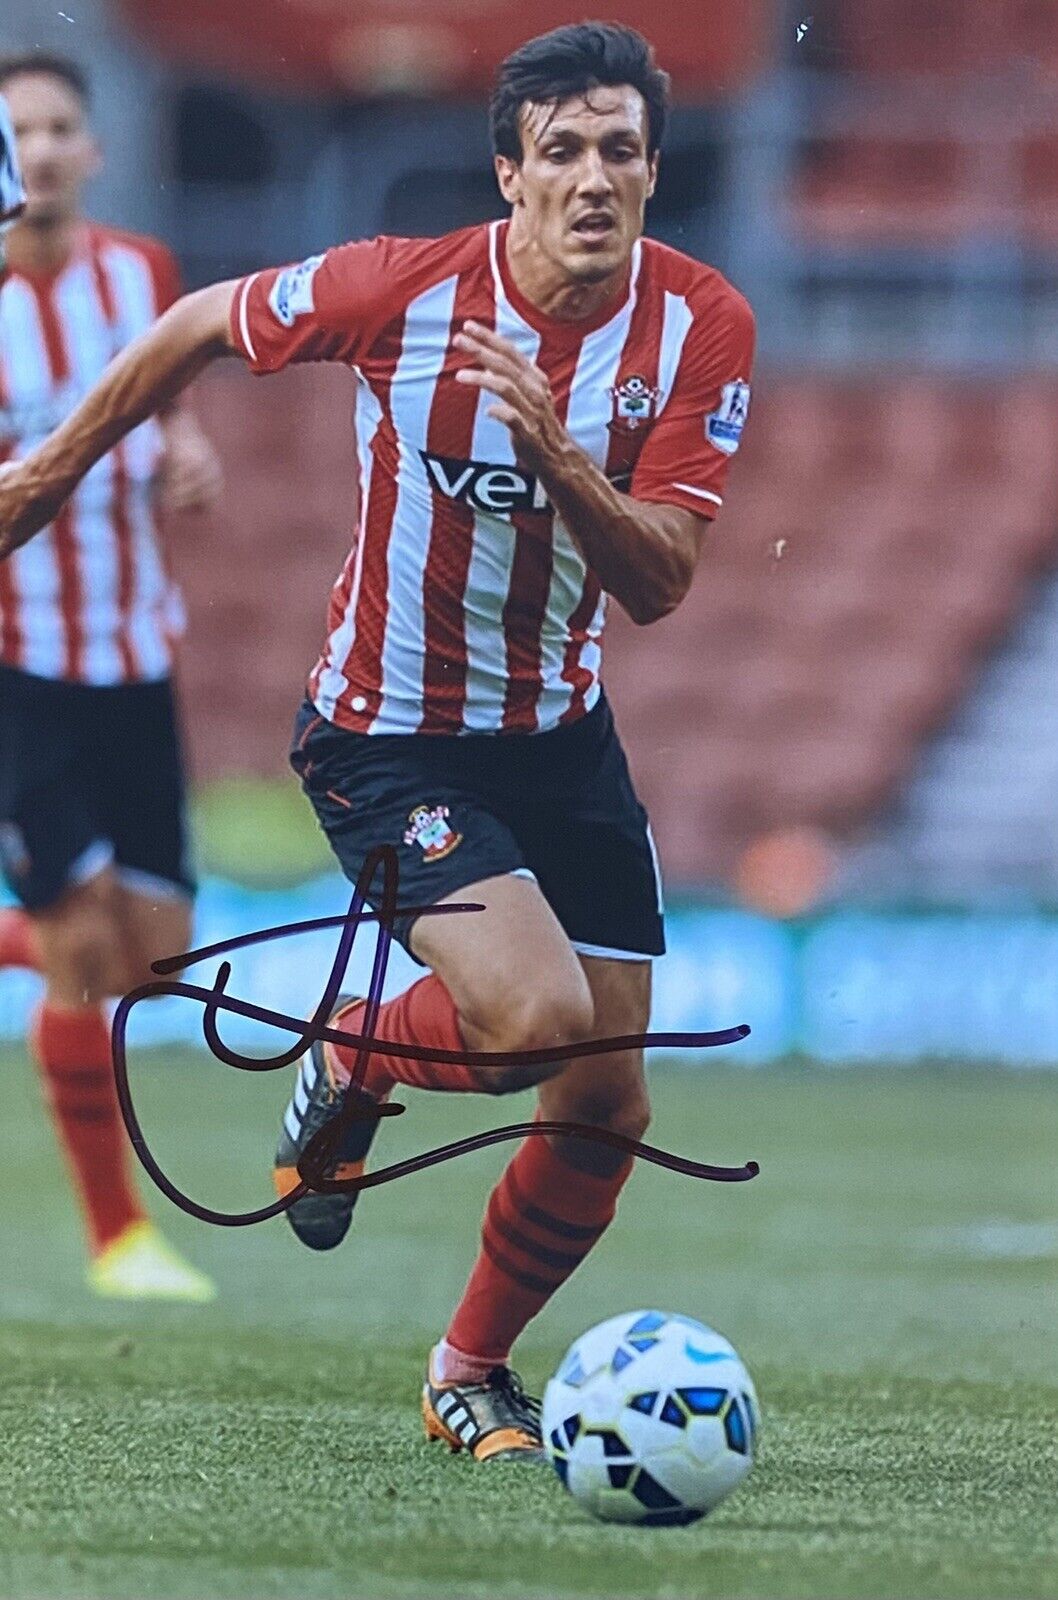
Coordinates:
584	180
56	150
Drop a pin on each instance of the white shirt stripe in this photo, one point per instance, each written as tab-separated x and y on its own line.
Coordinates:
90	346
244	324
423	350
492	556
703	494
34	568
675	326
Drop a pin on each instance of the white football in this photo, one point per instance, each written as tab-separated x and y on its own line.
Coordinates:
651	1418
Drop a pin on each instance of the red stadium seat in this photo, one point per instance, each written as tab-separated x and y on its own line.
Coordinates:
1030	28
1038	170
887	37
862	188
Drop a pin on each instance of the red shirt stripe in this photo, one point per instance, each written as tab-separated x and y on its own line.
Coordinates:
450	432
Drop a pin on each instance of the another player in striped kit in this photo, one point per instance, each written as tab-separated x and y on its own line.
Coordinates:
547	410
12	194
92	835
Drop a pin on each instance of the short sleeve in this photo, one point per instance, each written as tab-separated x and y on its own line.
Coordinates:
321	309
685	460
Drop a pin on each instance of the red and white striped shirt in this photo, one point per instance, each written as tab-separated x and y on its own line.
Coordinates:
88	599
464	605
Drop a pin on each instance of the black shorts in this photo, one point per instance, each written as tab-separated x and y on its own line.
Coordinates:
558	806
89	776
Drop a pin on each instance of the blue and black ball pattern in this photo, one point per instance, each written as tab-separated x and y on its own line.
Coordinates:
675	1408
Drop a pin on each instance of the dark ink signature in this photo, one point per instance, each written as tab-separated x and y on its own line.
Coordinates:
320	1150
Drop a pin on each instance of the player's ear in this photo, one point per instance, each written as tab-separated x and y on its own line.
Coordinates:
653	179
509	178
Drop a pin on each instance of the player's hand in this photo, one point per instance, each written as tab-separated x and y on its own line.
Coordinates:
24	508
191	478
524	401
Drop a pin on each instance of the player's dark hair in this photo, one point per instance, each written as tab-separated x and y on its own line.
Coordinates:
38	63
572	61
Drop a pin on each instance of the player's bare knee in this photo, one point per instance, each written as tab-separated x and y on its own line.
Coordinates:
81	947
549	1020
81	963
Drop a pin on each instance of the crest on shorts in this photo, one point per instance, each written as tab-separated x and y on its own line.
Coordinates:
634	403
430	831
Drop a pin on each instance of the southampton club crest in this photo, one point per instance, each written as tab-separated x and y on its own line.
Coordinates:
430	831
634	403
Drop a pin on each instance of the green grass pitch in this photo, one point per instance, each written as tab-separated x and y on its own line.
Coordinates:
889	1278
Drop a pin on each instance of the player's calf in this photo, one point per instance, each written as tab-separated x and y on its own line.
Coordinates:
615	1102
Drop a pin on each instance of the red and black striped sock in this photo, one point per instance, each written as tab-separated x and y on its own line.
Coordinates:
72	1048
423	1015
542	1219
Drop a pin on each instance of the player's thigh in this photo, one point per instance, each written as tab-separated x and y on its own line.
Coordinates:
510	969
606	1091
140	784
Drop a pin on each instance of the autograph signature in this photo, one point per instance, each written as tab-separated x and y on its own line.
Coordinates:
321	1148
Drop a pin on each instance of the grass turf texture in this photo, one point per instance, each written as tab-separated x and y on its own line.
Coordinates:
270	1444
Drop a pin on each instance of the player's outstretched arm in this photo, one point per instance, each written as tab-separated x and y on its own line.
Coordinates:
145	377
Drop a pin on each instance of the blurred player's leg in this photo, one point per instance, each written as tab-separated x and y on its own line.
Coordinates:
83	939
70	1039
89	792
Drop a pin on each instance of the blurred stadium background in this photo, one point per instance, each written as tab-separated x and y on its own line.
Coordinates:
848	735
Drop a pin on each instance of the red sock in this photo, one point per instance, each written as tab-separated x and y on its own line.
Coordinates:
542	1219
423	1015
73	1050
18	942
